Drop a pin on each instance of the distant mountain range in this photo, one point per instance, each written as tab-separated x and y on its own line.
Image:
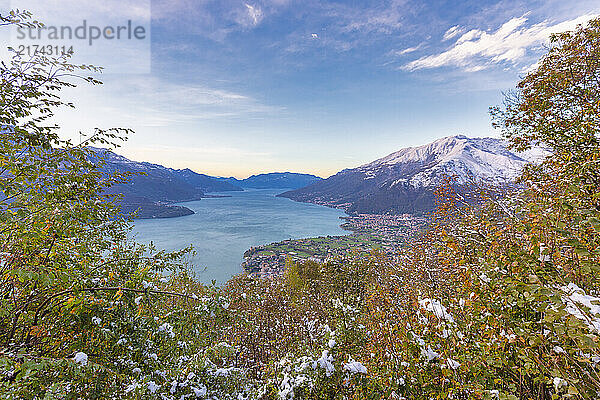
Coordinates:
274	180
152	188
404	181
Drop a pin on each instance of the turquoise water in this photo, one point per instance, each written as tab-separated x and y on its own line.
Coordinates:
224	228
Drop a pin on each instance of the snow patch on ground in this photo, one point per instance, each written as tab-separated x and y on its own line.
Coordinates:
81	358
355	367
326	362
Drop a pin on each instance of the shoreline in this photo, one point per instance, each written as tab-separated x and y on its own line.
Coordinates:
367	233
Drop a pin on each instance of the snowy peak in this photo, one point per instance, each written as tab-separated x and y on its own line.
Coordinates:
404	181
459	156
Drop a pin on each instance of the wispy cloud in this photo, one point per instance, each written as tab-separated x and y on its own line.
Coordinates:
407	50
142	102
346	27
477	49
452	32
379	20
252	17
216	20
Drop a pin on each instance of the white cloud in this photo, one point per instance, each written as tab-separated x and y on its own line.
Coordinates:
478	49
452	32
407	50
254	17
471	35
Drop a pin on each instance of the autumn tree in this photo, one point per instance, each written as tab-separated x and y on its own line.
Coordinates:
71	282
512	310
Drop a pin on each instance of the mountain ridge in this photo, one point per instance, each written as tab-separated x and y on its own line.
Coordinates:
152	188
404	181
275	180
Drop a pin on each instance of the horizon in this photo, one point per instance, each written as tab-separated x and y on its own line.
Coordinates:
305	173
239	88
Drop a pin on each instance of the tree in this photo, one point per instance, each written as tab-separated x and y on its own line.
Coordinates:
68	273
558	106
519	276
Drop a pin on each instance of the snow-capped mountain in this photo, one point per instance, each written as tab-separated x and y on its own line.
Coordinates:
458	156
403	182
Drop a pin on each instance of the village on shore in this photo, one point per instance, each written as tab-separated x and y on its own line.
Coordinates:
367	233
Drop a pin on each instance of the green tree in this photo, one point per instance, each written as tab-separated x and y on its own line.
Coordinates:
519	275
70	280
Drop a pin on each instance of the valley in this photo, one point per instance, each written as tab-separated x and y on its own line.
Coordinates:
148	190
386	202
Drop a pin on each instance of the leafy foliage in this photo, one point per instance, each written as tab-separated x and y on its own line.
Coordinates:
498	299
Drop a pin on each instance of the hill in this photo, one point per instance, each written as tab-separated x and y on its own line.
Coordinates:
274	180
152	187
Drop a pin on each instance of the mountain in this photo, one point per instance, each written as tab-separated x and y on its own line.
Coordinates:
275	180
404	181
151	186
146	208
206	183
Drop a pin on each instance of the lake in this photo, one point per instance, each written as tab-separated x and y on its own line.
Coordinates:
222	229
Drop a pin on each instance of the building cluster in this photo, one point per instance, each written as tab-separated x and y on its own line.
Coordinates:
370	232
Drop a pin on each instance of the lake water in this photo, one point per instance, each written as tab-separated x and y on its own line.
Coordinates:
222	229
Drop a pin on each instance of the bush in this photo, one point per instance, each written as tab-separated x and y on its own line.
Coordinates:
498	299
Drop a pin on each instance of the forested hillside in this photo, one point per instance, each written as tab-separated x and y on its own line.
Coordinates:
148	189
499	299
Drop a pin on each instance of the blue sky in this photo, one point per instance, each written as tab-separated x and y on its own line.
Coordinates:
249	86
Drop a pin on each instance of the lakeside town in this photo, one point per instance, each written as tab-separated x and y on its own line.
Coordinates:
367	233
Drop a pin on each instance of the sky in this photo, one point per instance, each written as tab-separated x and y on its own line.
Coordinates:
235	88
